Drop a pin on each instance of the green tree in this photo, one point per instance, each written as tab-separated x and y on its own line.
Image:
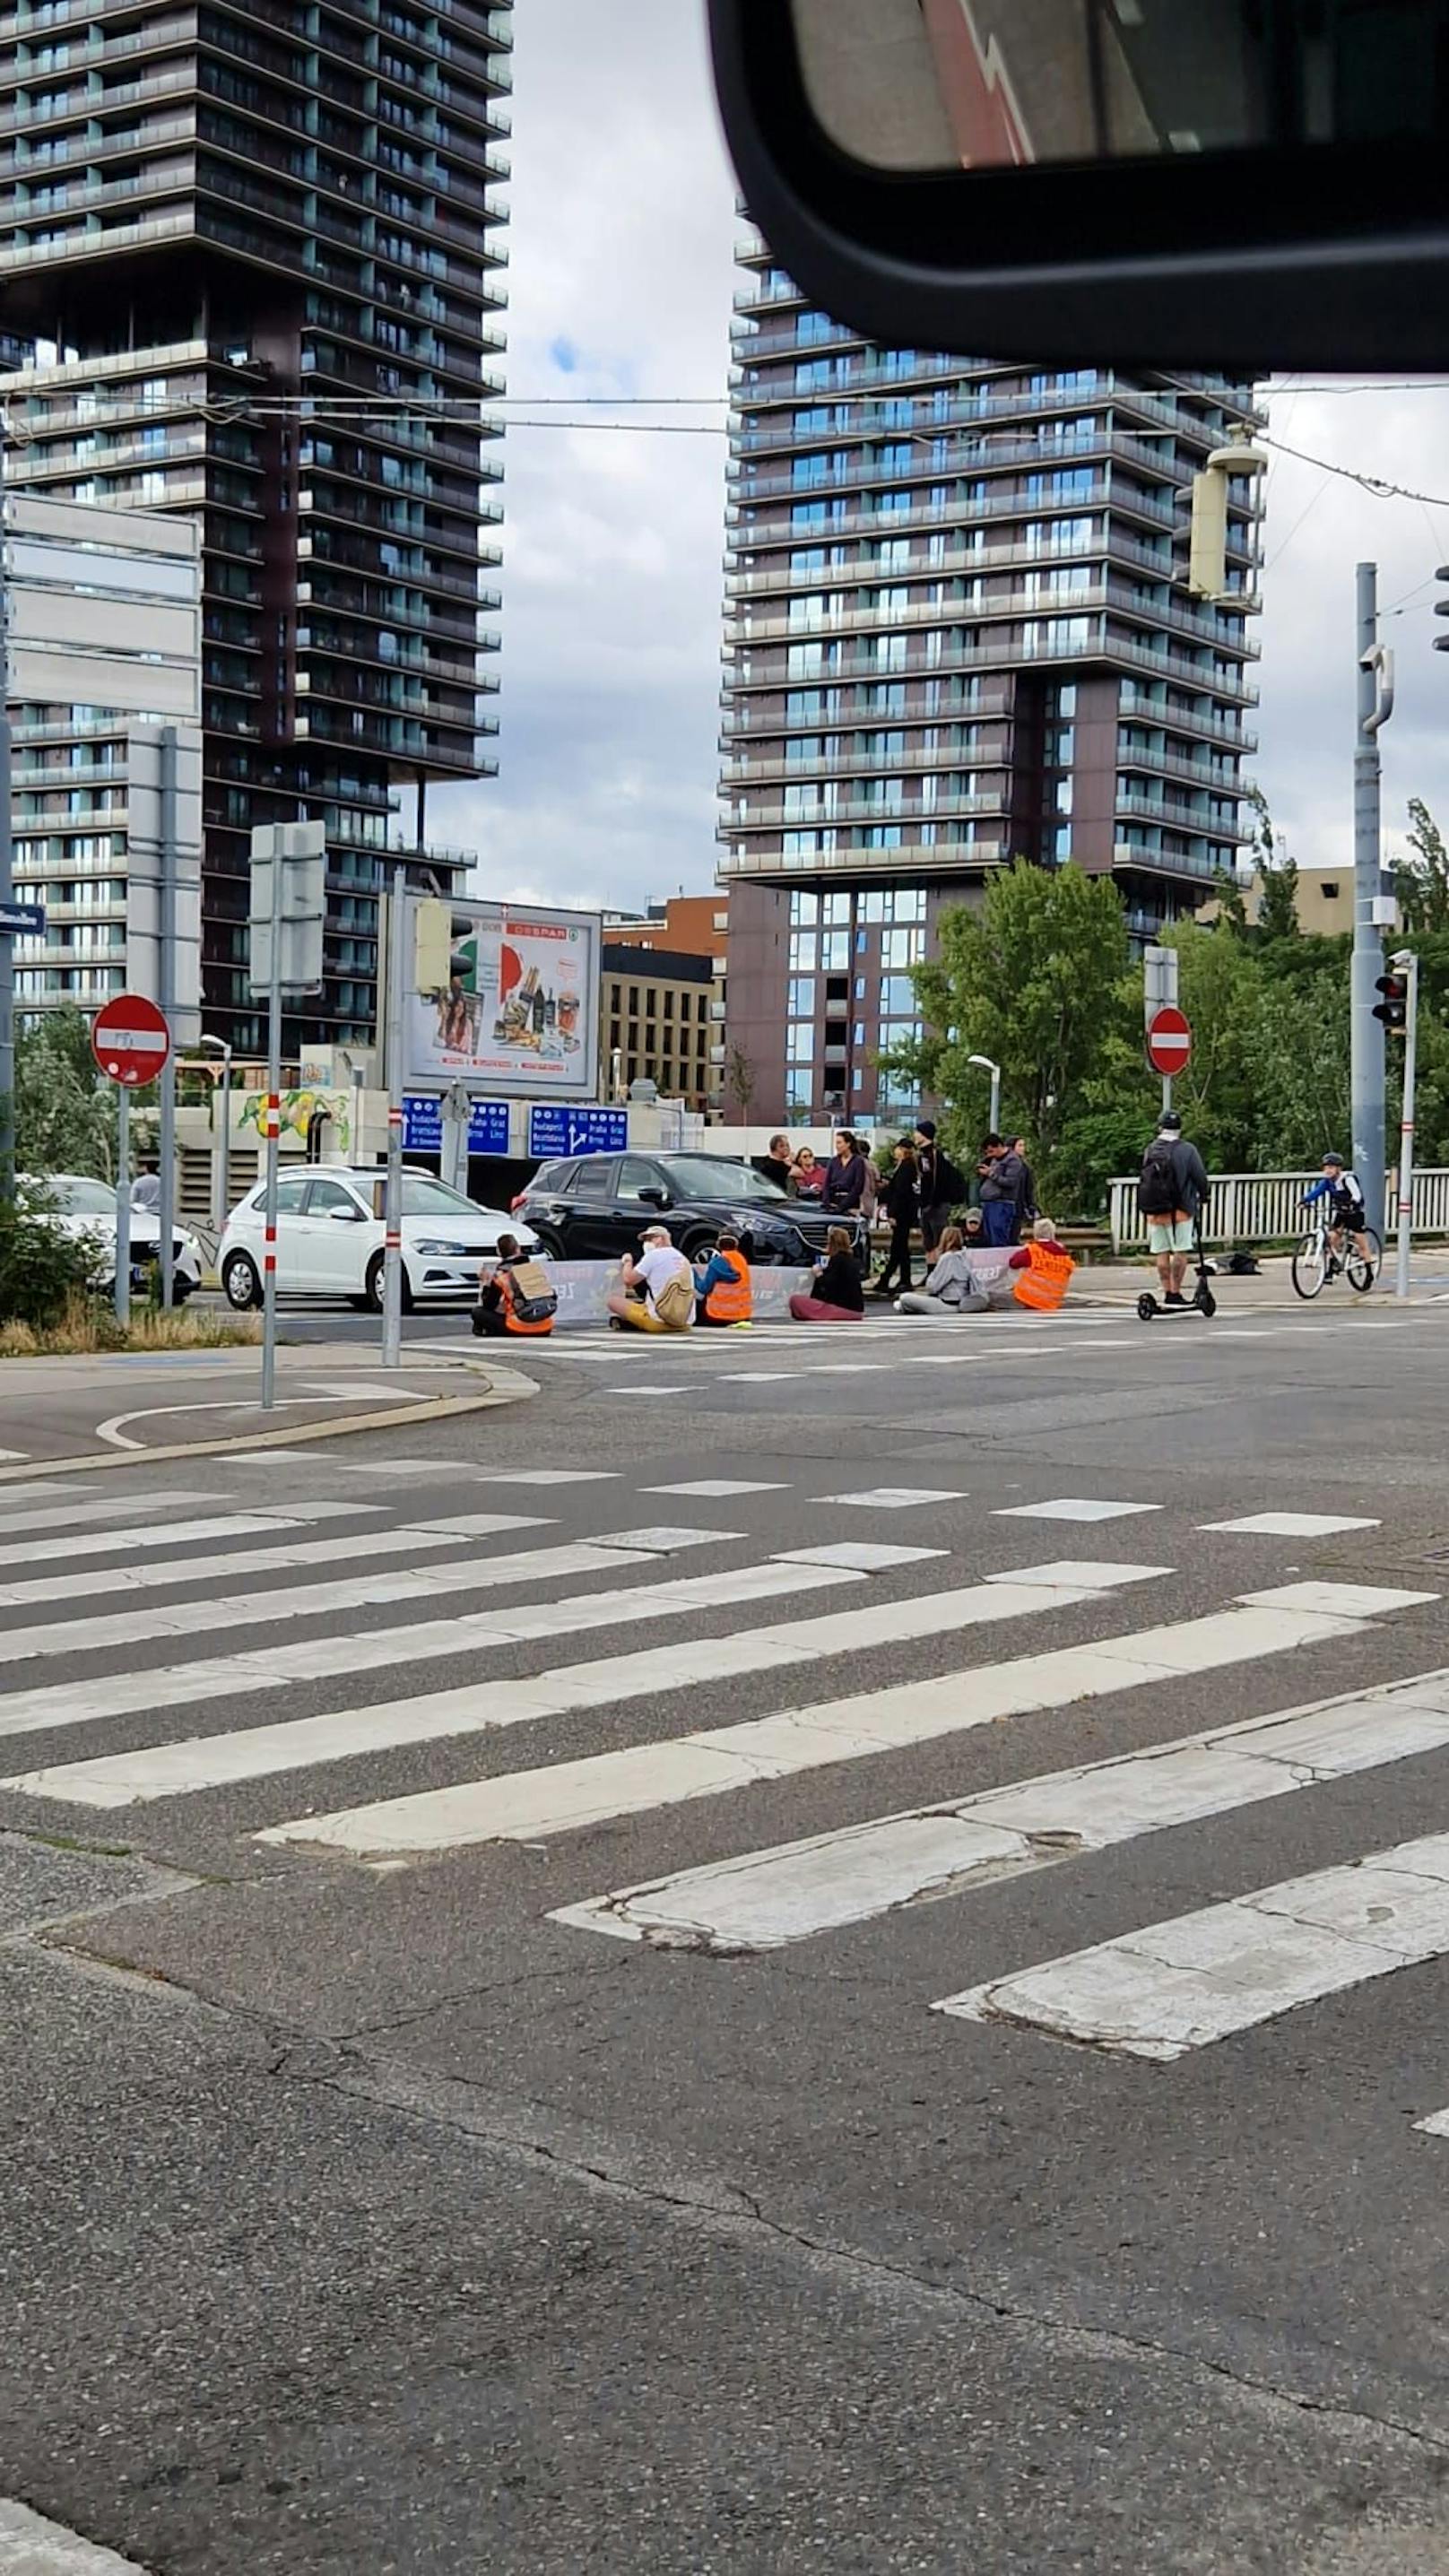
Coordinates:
1278	902
1421	883
64	1114
1033	980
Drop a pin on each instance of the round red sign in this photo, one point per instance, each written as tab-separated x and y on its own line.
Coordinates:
1169	1041
130	1040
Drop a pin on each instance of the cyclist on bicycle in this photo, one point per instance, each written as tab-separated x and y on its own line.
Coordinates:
1346	1213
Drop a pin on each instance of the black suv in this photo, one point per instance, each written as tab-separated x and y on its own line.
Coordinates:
596	1206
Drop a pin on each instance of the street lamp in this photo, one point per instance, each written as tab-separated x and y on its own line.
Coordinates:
995	1072
222	1206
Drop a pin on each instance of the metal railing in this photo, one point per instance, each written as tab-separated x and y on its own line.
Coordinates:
1267	1207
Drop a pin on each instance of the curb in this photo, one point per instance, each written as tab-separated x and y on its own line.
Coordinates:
507	1387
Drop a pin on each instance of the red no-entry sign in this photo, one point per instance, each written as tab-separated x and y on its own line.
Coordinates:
1169	1041
130	1040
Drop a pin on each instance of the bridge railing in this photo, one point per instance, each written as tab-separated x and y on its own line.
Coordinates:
1267	1207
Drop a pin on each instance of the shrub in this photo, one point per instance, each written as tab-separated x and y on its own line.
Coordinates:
43	1269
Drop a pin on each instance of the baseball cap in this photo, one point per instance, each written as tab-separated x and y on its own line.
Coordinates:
657	1234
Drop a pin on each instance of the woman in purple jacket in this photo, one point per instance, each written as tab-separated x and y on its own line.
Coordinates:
844	1177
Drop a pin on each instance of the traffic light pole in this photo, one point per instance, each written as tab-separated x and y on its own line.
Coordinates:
1366	1034
392	1187
1407	964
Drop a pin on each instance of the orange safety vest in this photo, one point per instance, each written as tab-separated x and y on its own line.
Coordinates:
731	1301
513	1322
1044	1285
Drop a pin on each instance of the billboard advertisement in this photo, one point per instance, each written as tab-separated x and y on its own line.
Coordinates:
519	1010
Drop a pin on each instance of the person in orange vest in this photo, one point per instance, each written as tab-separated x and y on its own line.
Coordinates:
722	1287
1044	1268
503	1306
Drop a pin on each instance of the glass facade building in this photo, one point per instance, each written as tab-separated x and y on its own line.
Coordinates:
251	252
957	633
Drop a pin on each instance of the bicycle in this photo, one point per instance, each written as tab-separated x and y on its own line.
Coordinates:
1329	1250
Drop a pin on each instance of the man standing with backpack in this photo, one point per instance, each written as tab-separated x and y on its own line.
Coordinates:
941	1187
1172	1195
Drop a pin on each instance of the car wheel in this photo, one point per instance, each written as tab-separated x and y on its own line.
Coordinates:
549	1246
241	1281
376	1273
695	1246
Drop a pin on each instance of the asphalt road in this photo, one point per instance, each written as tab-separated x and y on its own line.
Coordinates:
363	2215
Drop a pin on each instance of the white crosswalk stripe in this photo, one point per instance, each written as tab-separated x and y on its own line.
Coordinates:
275	1668
1180	1984
532	1805
762	1899
99	1587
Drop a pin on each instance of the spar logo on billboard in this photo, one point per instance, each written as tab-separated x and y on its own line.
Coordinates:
518	1012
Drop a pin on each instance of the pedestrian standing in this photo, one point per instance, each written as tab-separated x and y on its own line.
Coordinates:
1026	1194
808	1176
901	1202
844	1178
1172	1194
778	1164
146	1187
941	1186
1000	1175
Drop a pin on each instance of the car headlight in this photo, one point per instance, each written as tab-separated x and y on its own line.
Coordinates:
453	1251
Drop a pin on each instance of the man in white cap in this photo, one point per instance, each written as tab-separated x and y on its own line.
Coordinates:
667	1304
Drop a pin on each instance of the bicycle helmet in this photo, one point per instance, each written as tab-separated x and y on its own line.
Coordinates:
1335	1158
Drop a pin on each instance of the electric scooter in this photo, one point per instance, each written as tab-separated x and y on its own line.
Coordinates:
1202	1302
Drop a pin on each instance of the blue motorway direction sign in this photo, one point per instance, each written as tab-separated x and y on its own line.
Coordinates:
423	1125
557	1129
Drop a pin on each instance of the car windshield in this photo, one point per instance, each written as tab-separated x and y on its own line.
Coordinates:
81	1197
709	1176
422	1196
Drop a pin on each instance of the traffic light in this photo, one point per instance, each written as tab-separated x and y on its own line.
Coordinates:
1393	1010
1441	609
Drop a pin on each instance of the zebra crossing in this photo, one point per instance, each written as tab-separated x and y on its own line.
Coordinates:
272	1739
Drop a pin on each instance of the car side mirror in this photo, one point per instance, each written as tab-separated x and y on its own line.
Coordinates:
347	1216
655	1198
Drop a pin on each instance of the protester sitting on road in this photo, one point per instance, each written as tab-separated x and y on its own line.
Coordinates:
778	1164
664	1286
508	1303
844	1177
722	1290
951	1287
1172	1194
809	1176
837	1295
1045	1269
900	1199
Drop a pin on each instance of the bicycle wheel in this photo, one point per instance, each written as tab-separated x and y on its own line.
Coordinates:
1310	1263
1363	1272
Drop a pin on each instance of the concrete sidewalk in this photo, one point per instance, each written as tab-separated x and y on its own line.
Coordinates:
115	1406
1120	1283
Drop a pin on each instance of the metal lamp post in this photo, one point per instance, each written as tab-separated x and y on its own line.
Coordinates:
222	1207
995	1072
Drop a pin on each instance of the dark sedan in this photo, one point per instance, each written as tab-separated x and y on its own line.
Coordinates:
595	1208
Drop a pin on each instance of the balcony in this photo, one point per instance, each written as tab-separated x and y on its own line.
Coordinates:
1178	815
1166	863
1172	764
874	616
912	858
963	456
1044	651
777	816
1111	541
769	767
916	706
773	435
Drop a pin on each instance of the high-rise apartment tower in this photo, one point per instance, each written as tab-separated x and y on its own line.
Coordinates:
958	632
252	252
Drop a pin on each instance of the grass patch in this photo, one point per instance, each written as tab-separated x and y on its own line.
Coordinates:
85	1328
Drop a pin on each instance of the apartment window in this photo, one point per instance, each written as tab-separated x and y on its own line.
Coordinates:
900	948
800	998
804	911
804	952
799	1045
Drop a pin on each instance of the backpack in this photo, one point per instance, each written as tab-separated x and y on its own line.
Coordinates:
1157	1191
674	1302
535	1299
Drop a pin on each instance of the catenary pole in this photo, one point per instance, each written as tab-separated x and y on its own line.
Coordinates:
1366	1035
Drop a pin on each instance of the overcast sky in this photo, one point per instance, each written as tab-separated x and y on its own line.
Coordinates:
621	281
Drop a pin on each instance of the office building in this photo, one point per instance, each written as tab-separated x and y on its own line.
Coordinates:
106	751
655	1023
957	633
694	925
253	255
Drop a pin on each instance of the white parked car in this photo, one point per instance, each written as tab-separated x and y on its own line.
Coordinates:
83	1207
330	1239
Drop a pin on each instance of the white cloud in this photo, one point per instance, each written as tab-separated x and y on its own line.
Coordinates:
621	281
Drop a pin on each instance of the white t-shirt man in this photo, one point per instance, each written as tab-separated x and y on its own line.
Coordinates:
660	1263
